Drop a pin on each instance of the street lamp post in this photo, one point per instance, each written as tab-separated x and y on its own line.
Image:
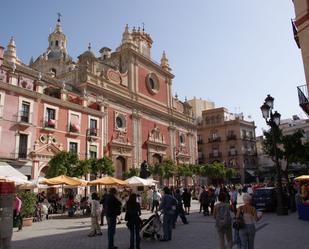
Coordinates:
273	120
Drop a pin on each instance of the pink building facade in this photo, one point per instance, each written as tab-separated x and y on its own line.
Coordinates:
118	104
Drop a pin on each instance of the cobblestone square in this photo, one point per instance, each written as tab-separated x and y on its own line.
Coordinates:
273	232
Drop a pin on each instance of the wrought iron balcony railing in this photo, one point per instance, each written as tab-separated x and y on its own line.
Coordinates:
303	98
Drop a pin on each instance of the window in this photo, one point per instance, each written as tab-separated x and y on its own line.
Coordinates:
152	83
93	127
182	138
73	147
120	121
54	72
57	43
23	143
93	151
51	43
50	118
25	112
74	123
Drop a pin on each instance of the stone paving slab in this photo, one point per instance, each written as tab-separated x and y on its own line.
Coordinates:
274	232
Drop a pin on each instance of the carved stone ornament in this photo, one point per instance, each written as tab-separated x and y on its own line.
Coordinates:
113	76
120	137
156	136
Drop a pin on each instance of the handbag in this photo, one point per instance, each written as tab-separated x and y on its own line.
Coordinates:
239	222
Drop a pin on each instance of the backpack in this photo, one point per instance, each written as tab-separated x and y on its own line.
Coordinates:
223	217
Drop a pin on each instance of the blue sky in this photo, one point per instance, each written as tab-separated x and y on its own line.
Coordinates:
231	52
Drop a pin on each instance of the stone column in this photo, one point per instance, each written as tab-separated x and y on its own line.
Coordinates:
136	138
172	132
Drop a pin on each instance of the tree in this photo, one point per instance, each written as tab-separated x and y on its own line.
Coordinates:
230	173
63	163
102	166
169	167
83	168
164	170
132	172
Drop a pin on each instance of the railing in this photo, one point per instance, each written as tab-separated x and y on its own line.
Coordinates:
303	98
232	153
213	140
50	123
74	128
231	137
92	132
24	117
215	155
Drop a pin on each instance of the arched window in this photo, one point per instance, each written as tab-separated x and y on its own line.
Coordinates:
53	71
57	43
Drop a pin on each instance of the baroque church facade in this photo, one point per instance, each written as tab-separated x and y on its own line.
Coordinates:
118	104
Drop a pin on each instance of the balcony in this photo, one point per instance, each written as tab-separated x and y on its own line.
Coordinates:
232	153
215	155
214	140
74	129
231	137
49	124
24	118
303	98
92	134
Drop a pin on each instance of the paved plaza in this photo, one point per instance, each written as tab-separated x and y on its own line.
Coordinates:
273	232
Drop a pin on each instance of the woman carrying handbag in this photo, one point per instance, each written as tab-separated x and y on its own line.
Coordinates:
247	229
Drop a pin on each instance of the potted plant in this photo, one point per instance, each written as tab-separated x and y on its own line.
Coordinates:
29	200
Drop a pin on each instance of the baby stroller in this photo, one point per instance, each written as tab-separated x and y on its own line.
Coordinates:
151	227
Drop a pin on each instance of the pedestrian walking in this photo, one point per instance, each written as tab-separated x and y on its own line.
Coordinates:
204	201
95	214
134	222
233	198
17	218
113	209
179	209
168	207
156	196
223	221
186	197
249	214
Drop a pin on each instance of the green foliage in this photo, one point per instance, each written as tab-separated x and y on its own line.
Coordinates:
169	167
214	170
130	173
29	200
62	163
230	173
102	166
82	168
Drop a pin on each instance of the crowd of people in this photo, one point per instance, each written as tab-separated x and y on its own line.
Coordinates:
235	224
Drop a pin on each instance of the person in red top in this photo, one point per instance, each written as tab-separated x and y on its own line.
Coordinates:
18	221
71	206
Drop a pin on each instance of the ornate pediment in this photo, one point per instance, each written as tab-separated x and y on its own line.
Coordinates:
182	153
44	152
156	136
120	137
120	144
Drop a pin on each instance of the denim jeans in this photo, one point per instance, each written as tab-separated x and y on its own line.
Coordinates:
225	233
247	236
111	230
168	220
134	236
